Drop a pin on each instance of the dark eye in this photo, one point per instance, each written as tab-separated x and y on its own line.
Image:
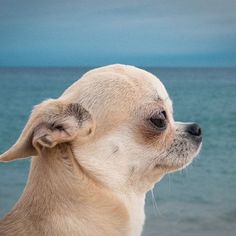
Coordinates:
159	120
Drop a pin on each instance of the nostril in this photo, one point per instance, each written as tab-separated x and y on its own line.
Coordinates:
194	129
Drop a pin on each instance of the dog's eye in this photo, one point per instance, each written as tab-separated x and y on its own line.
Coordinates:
159	120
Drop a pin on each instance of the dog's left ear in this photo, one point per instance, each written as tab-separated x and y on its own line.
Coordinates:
52	122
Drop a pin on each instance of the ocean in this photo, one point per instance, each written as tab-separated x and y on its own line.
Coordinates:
200	200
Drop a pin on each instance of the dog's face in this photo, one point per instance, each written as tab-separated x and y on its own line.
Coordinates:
131	139
136	140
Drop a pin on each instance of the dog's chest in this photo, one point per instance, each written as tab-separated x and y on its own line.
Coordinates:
136	212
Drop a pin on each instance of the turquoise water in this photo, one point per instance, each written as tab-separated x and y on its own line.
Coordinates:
200	200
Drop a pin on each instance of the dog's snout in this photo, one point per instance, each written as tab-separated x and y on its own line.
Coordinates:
194	129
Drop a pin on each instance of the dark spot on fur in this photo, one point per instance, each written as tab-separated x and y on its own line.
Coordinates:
90	131
76	110
115	149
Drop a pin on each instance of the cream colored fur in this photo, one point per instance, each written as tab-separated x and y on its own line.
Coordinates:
95	156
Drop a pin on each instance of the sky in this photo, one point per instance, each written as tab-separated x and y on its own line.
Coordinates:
192	33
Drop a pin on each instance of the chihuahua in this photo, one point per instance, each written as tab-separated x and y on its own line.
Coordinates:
96	151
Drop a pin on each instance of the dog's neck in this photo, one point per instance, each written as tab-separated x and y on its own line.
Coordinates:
62	199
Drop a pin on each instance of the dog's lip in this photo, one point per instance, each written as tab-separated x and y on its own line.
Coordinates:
162	166
166	167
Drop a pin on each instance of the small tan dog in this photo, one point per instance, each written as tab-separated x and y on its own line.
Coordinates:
96	151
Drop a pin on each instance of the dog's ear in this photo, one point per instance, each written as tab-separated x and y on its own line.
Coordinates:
52	122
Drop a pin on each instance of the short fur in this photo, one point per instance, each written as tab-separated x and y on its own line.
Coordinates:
95	155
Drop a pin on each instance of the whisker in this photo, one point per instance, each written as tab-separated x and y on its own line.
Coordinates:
155	203
169	183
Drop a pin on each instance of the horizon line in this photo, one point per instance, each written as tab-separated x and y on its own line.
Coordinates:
96	66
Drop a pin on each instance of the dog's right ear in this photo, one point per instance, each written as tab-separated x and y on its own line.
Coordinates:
52	122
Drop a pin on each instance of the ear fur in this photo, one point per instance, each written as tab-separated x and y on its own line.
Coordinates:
52	122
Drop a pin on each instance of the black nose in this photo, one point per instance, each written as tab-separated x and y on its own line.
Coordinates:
194	129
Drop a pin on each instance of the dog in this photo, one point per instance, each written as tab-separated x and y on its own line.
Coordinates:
96	151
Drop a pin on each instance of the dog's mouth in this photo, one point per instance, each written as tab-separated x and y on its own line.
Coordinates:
179	155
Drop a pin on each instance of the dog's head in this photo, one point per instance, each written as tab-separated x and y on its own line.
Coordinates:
119	123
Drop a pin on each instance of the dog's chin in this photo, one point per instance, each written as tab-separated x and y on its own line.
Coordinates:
177	165
189	160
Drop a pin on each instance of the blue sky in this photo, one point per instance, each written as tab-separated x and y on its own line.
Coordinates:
144	33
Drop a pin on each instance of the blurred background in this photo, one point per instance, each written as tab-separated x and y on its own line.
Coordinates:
190	45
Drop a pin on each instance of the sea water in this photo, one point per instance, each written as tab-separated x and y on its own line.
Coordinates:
201	200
